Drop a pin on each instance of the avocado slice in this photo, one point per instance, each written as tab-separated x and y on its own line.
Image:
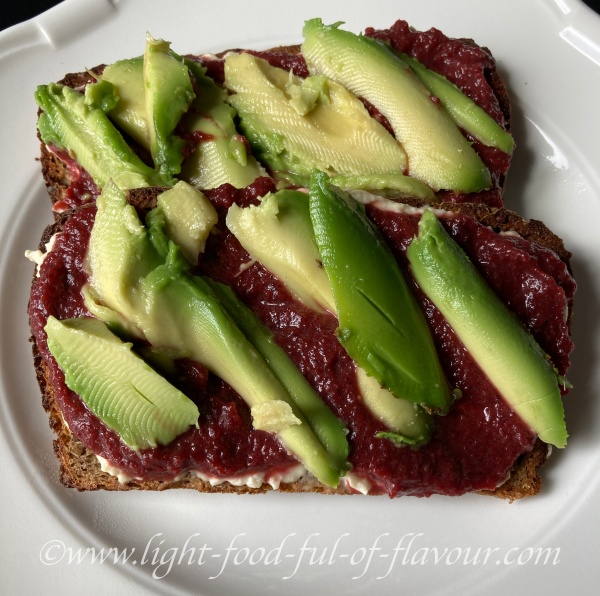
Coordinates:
319	417
129	114
222	155
168	95
406	421
463	110
278	233
381	326
116	255
501	346
189	218
297	124
394	185
83	129
148	282
438	153
117	385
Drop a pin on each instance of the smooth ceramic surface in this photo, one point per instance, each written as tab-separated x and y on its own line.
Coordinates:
209	544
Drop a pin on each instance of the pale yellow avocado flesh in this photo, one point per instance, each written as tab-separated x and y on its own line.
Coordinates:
189	216
130	112
301	124
438	153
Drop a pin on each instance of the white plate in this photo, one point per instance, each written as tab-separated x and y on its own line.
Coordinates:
549	54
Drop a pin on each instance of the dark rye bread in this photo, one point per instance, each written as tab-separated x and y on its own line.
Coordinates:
80	469
58	176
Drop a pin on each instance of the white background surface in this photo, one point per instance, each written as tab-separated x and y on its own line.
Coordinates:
554	84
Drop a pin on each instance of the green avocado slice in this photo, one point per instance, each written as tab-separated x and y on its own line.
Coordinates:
117	385
129	114
501	346
394	185
463	110
320	418
381	325
168	95
83	129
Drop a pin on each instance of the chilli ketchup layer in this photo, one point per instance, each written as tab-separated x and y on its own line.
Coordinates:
472	448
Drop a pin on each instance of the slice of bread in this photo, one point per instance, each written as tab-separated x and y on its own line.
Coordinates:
81	469
480	80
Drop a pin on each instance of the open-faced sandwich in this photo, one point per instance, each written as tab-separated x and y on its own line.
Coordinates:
292	269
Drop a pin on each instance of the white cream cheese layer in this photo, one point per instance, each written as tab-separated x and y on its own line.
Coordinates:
254	480
38	256
361	485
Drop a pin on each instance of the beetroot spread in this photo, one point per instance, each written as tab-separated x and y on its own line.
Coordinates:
472	448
